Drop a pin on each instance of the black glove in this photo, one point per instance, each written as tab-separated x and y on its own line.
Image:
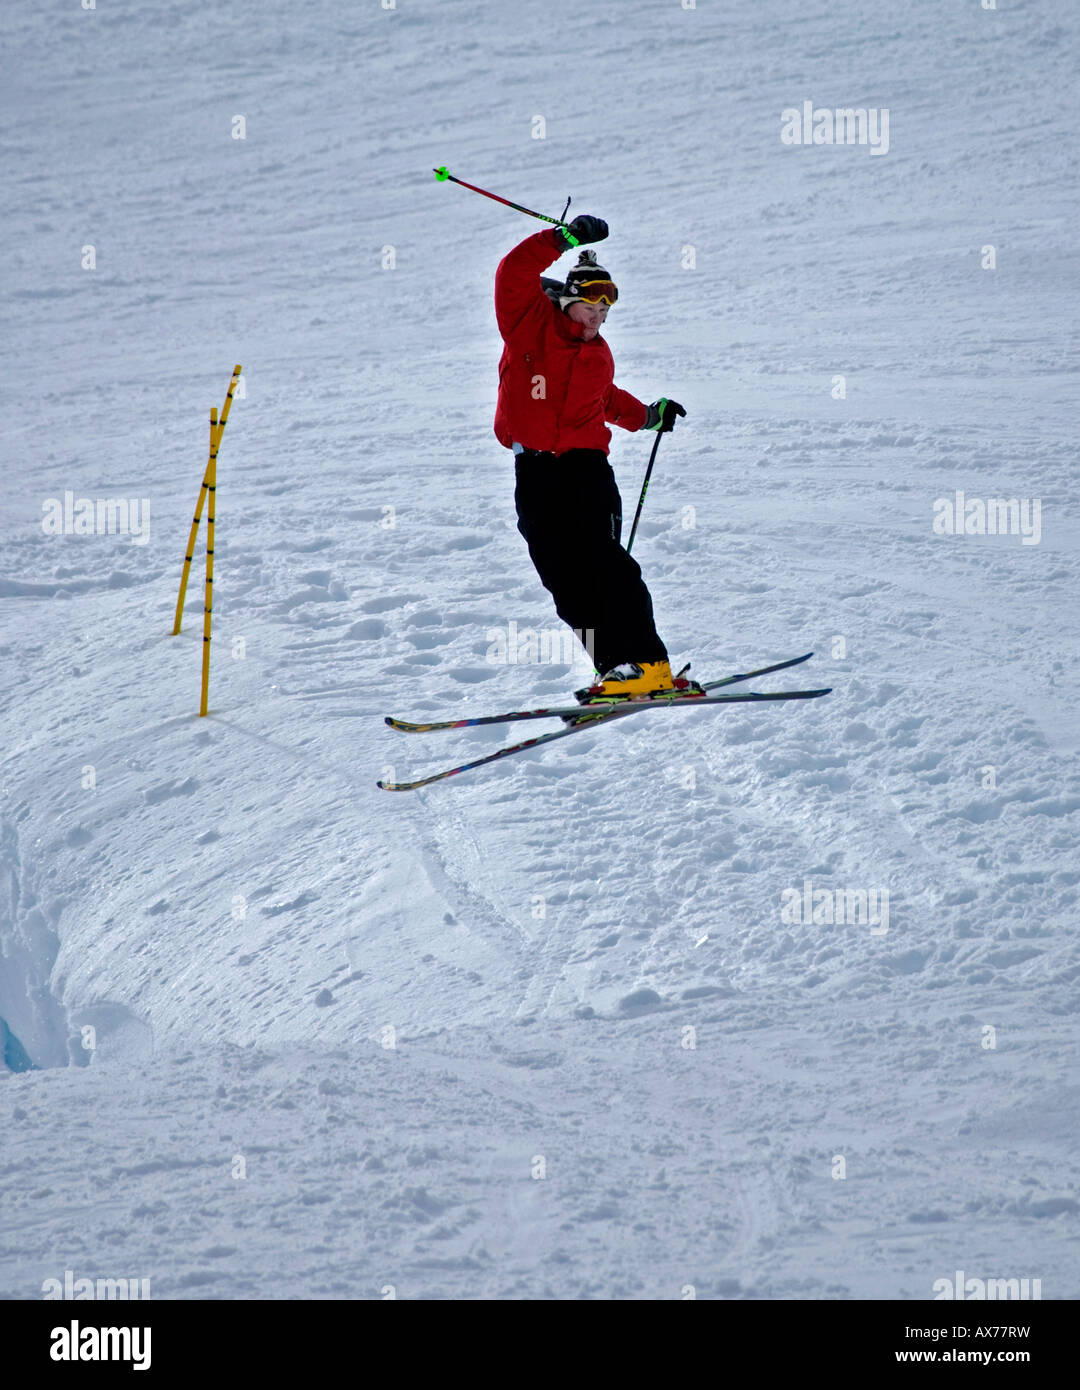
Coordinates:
581	230
662	415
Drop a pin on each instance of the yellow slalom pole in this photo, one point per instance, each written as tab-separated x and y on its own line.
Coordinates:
191	546
229	397
210	485
202	498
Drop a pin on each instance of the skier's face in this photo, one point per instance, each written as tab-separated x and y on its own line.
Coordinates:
591	315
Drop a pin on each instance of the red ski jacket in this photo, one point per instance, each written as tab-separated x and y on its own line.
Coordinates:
555	390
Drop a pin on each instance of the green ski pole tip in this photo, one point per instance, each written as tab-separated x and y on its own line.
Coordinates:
442	173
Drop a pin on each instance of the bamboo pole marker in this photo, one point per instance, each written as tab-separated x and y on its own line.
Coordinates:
192	537
210	484
191	545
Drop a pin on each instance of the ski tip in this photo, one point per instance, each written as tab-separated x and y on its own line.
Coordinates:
402	724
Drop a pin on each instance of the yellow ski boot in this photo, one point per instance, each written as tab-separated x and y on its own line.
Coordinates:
637	681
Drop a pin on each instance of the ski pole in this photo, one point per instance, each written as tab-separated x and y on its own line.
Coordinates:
443	173
644	490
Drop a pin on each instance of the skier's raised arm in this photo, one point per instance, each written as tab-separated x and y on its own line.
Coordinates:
517	279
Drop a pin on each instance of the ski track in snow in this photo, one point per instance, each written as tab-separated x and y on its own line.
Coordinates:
446	1031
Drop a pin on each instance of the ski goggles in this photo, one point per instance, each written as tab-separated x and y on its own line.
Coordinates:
597	291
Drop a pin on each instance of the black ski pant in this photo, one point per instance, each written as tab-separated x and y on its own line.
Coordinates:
570	513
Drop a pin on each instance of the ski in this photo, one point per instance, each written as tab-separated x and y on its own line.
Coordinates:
574	711
588	716
577	727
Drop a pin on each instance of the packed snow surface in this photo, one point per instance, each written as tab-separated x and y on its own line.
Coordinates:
561	1027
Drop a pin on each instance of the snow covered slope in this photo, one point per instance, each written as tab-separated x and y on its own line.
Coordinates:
397	1002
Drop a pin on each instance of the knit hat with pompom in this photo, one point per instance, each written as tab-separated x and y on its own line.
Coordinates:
586	269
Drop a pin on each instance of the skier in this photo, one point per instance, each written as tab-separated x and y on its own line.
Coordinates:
556	391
